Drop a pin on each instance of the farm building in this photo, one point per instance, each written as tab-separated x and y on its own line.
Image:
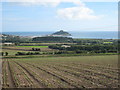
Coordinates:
8	44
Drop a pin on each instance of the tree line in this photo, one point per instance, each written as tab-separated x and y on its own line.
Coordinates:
88	48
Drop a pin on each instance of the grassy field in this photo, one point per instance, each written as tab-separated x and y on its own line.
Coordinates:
64	72
12	50
34	46
43	44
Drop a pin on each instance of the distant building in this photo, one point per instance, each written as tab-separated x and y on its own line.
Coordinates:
8	44
66	46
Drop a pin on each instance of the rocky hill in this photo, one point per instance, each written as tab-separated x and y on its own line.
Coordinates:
61	33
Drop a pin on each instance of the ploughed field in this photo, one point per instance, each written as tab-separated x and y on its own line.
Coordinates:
62	72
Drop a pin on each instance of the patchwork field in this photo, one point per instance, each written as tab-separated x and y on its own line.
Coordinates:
12	50
34	46
64	72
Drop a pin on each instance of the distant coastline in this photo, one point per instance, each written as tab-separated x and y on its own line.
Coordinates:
80	34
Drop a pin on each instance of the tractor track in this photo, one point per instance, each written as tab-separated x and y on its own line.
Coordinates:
41	85
89	71
89	78
10	76
53	74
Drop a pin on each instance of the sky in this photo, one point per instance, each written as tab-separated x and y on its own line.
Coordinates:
67	15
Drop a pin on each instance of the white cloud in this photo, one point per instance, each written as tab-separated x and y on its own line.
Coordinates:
80	11
77	13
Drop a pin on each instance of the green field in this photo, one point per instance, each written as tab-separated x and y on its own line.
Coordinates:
49	69
12	50
34	46
107	42
61	72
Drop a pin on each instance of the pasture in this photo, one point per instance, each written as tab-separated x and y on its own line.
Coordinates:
34	46
61	72
12	50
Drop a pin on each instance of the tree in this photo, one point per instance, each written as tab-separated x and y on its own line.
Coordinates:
2	53
6	53
33	49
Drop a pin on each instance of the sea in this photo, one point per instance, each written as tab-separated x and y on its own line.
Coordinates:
75	34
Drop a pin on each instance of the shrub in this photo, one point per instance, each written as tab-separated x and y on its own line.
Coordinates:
27	53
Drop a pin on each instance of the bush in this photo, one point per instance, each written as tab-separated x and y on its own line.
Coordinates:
36	49
27	53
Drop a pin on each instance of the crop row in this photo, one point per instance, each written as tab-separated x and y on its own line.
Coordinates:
48	75
96	80
53	75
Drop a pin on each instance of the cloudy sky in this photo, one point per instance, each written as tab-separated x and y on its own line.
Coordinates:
69	15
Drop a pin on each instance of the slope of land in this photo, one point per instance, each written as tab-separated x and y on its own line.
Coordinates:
62	72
